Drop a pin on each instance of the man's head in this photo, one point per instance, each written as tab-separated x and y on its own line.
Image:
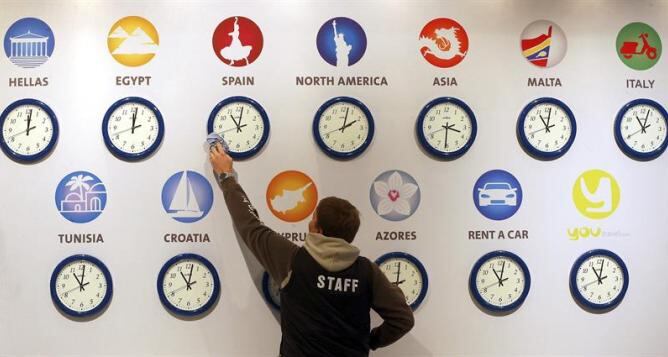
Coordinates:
335	217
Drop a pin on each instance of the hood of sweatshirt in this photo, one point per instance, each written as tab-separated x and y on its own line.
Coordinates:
333	254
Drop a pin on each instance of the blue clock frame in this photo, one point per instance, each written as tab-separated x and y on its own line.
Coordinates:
627	150
337	154
49	147
581	299
266	291
82	314
524	142
422	138
214	294
473	286
423	273
265	120
140	155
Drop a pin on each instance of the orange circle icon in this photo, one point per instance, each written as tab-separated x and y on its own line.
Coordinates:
292	196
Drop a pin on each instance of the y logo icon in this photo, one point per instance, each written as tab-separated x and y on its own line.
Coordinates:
596	194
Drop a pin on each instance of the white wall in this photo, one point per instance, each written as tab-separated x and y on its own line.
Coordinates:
186	85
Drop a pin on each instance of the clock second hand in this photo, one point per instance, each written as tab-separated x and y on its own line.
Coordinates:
126	130
71	290
230	129
24	131
181	288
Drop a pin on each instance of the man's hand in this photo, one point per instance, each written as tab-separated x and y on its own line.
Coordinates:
221	162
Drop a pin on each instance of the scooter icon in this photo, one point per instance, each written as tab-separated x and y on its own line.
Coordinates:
628	49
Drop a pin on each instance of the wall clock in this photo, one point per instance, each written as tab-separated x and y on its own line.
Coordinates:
406	272
188	285
271	291
133	128
500	281
546	128
81	286
599	280
446	128
343	127
242	123
640	129
29	130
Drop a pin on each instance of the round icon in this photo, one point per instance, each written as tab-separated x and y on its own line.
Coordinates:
543	43
187	196
133	41
596	194
497	195
29	42
81	197
443	42
341	41
394	195
292	196
638	45
237	41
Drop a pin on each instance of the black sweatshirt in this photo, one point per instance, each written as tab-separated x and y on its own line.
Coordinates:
327	288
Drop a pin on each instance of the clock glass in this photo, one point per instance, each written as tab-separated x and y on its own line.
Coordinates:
242	123
640	129
133	128
29	130
188	285
343	127
599	279
406	272
500	281
446	127
81	286
546	128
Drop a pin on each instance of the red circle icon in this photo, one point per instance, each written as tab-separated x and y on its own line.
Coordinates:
237	41
443	42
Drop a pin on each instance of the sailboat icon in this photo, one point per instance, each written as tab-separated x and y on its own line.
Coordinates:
184	202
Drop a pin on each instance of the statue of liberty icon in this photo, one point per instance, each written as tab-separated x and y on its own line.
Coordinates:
236	51
342	48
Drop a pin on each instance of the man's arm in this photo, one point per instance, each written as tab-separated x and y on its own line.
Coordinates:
274	252
390	303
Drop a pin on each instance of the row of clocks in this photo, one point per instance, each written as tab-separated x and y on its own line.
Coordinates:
343	128
81	285
188	284
499	281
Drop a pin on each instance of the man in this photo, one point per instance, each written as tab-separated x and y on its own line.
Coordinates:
327	289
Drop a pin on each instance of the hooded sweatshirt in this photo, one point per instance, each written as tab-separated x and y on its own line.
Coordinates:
327	288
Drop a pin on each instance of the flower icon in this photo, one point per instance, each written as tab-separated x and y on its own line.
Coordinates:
395	195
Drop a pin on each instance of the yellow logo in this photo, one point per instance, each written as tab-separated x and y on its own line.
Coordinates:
596	194
292	196
133	41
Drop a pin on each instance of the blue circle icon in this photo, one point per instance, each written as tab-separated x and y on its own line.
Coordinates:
29	42
81	197
341	41
497	195
187	196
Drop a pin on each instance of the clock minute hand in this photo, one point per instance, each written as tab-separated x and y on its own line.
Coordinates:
345	120
239	124
134	120
28	123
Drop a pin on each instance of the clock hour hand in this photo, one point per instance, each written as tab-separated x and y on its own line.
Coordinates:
347	125
452	127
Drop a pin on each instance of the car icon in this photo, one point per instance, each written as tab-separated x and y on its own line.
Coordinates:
497	194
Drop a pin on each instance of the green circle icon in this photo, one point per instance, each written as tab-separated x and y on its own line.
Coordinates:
638	46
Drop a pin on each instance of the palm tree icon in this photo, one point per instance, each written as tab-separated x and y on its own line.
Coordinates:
79	182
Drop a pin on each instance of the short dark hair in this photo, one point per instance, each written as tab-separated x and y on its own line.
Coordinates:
338	218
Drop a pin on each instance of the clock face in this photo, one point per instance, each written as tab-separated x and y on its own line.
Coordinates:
500	281
271	291
546	128
406	272
343	127
640	129
81	286
29	130
242	123
599	280
188	285
132	128
446	128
